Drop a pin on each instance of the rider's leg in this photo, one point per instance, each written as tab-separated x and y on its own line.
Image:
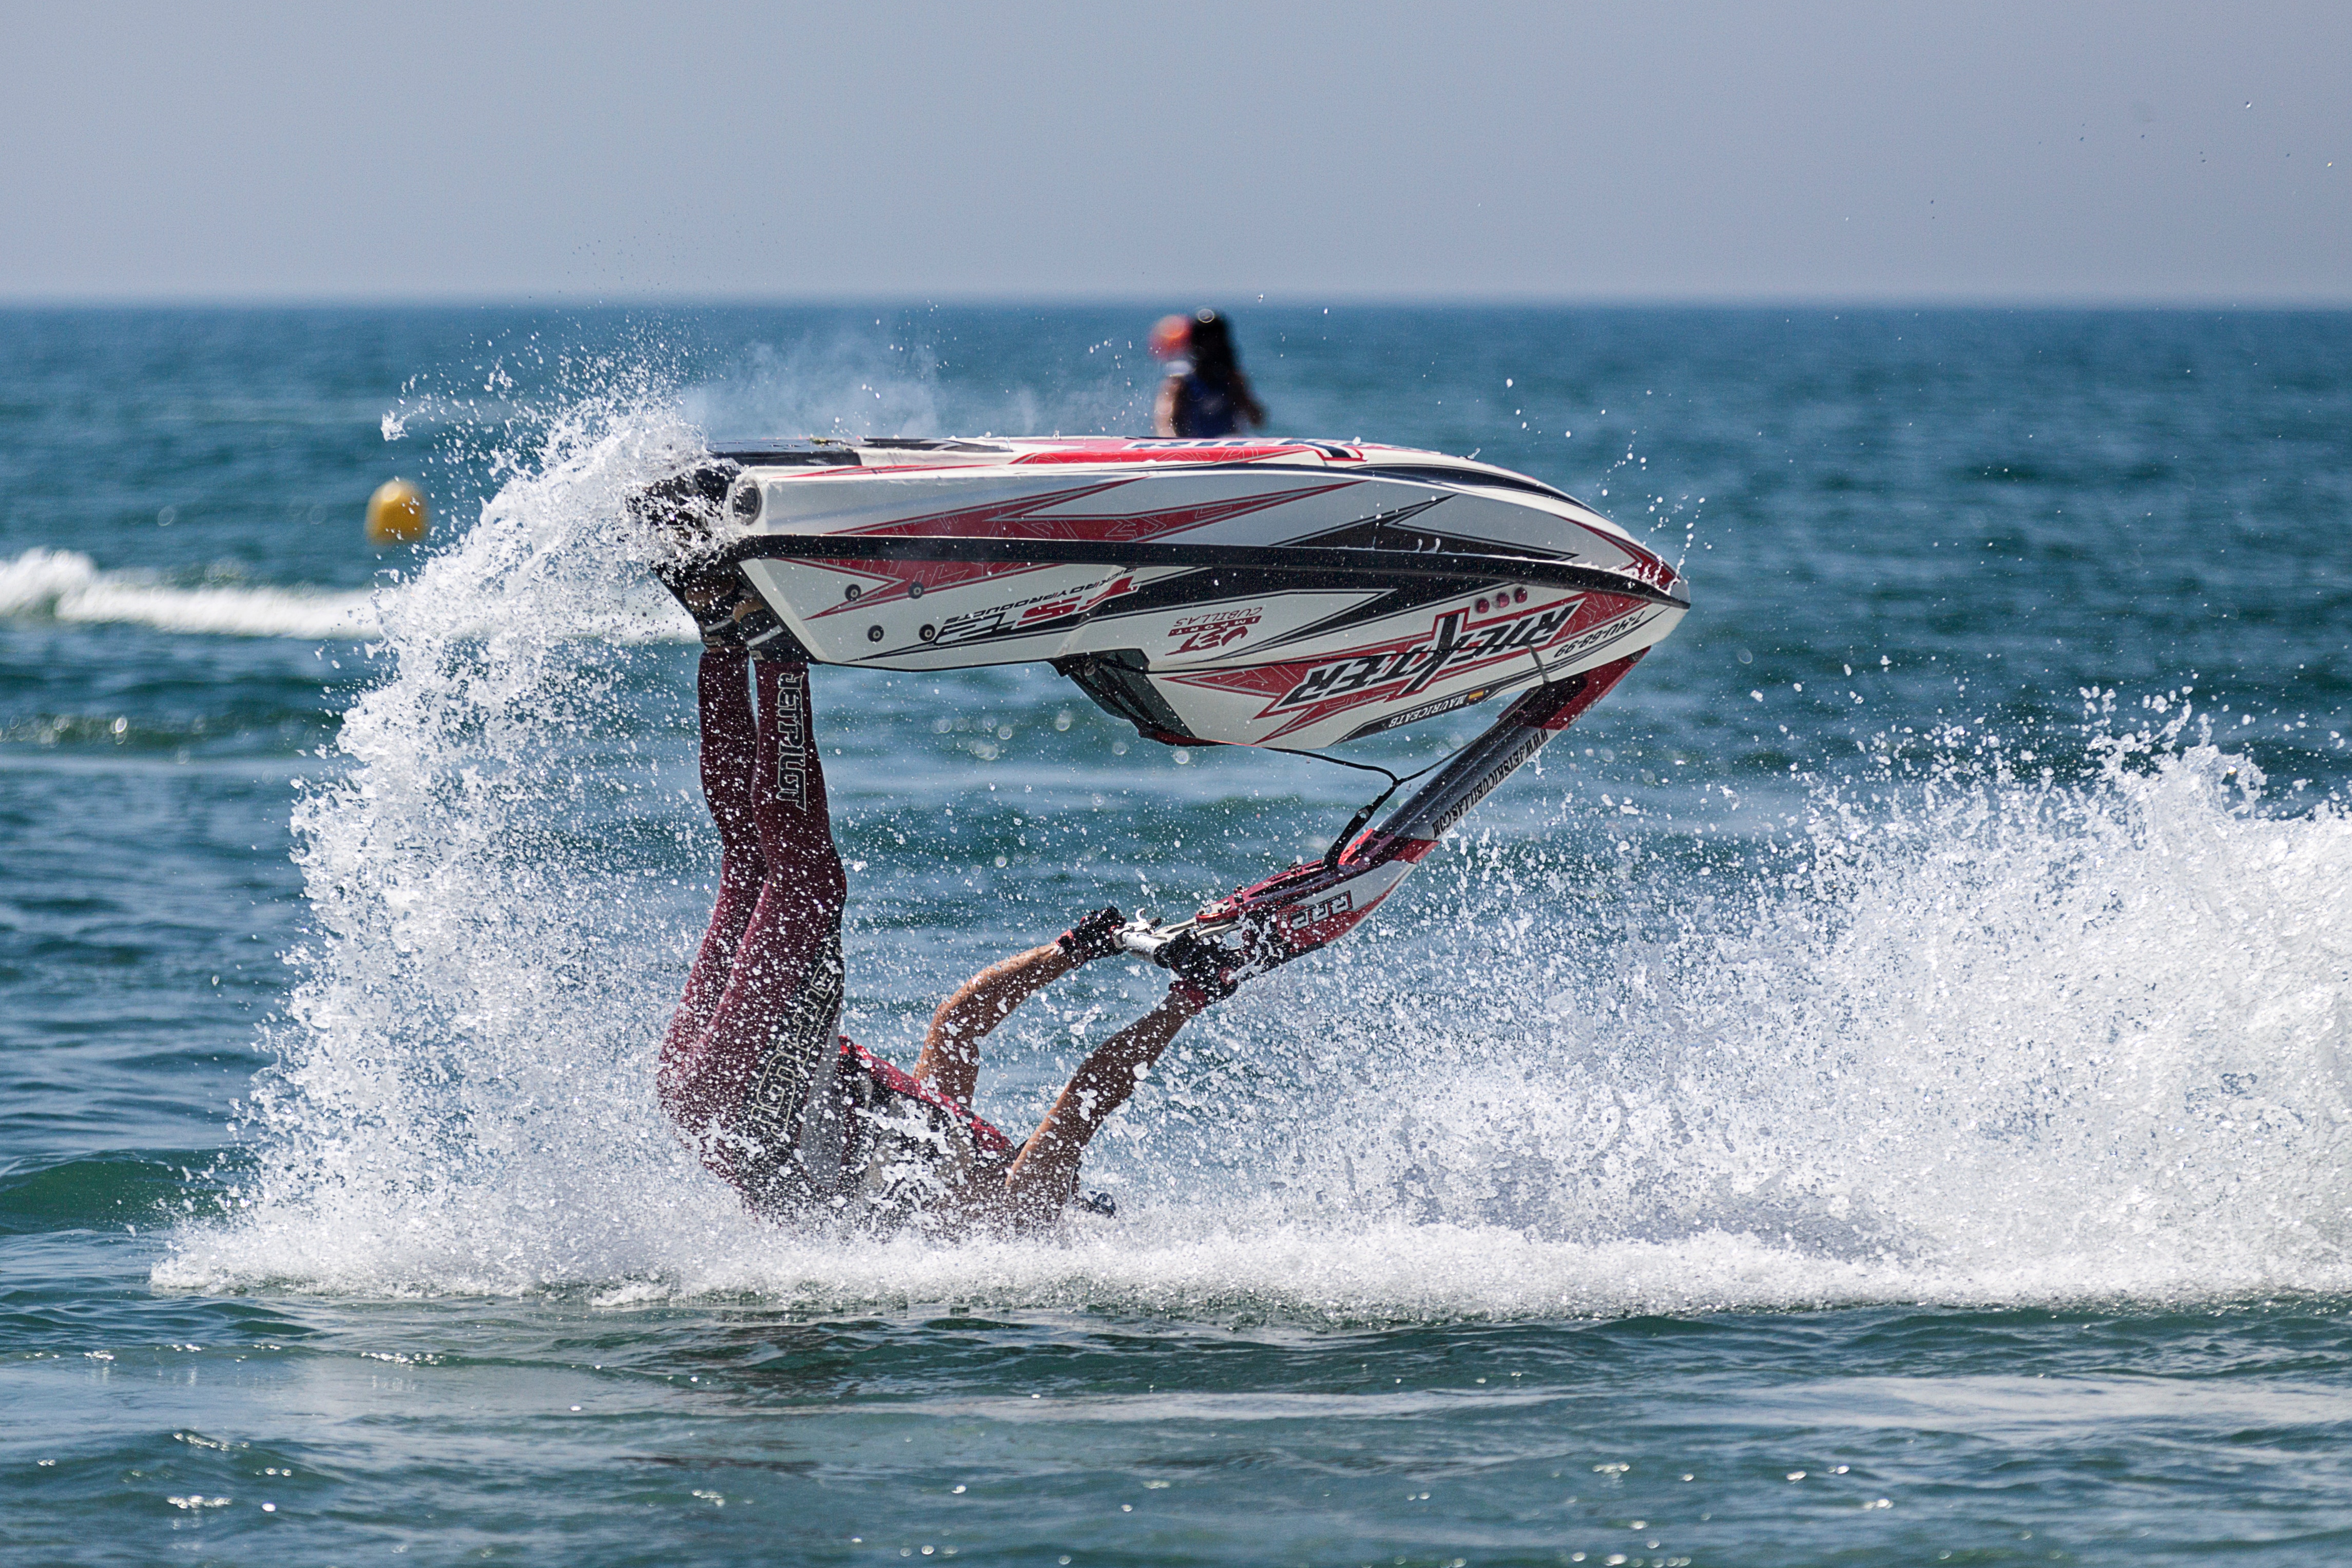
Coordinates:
772	1027
729	744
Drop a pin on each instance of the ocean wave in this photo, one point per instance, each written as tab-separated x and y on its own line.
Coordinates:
1212	1260
65	585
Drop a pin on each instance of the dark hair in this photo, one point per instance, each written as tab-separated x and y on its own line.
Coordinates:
1212	348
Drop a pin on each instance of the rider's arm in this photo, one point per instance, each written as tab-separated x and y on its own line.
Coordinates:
1163	406
951	1059
1046	1172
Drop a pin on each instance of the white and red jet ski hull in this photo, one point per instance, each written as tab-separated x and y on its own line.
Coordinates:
1296	594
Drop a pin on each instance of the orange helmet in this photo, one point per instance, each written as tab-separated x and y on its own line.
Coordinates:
1171	336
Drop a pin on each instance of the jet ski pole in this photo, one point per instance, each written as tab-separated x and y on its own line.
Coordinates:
1315	902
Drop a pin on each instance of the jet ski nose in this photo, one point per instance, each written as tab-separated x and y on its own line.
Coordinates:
686	504
749	499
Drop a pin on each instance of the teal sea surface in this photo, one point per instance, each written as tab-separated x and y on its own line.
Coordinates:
1880	1092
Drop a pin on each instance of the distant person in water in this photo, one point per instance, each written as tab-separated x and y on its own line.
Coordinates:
798	1119
1206	392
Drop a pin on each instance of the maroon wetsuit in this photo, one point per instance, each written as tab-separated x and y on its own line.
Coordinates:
752	1068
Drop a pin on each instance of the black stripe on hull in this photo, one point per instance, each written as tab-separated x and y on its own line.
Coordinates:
1287	568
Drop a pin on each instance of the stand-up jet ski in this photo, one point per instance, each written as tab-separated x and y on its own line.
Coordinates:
1285	594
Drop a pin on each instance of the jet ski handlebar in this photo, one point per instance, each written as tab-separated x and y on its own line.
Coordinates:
1313	903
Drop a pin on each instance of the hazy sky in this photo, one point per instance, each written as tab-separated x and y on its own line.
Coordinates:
594	151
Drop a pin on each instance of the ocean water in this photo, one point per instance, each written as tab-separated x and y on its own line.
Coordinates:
1875	1094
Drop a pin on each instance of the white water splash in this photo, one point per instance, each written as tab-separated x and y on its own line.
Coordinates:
1979	1039
458	1066
1970	1038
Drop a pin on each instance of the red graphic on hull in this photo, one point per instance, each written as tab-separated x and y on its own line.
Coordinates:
1458	642
1077	603
1020	519
1116	450
1213	629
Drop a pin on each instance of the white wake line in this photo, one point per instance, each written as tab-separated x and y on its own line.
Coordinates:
65	585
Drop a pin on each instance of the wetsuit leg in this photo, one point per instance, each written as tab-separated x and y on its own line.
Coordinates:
746	1077
729	747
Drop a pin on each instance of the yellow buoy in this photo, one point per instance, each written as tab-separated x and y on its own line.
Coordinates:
396	514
